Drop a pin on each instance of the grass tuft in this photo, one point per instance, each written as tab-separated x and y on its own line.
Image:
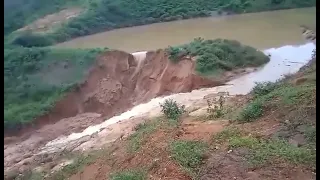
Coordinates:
189	154
129	175
142	130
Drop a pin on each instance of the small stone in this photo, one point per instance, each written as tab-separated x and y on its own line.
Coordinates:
229	151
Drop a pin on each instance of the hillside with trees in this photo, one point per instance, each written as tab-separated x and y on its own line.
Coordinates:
102	15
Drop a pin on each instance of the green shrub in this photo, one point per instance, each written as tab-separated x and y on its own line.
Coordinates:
32	40
171	109
251	112
216	111
219	55
175	53
261	89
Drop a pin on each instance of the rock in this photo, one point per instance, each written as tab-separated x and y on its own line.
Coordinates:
297	140
27	156
300	81
301	128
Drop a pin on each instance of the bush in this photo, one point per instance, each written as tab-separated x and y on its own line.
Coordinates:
219	55
251	112
32	40
216	111
175	53
171	109
264	88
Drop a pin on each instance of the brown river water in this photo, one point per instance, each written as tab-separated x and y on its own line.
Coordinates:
261	30
276	33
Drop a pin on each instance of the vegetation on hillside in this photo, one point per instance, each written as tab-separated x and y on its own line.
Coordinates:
219	55
290	97
240	146
18	13
102	15
35	78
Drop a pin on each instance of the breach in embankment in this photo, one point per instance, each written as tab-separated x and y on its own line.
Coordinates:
114	83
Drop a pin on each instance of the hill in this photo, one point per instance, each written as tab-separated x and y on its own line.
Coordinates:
102	15
37	78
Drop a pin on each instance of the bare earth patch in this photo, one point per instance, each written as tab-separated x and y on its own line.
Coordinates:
52	20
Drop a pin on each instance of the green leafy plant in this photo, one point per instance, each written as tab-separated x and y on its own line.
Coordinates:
171	109
264	88
251	112
216	111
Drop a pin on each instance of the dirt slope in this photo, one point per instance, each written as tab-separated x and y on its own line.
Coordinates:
232	144
50	21
113	85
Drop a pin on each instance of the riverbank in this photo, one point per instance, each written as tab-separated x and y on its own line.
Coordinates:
85	81
119	126
249	27
242	139
100	18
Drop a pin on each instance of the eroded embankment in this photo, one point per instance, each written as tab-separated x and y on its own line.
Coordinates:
116	82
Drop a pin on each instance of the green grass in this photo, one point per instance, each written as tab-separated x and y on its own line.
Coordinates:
227	133
35	78
280	95
217	56
262	151
129	175
311	134
136	140
189	154
251	112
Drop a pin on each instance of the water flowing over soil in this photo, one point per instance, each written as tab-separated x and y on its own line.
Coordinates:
281	64
117	81
106	92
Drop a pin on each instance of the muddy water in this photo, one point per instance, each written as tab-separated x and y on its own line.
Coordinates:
284	60
261	30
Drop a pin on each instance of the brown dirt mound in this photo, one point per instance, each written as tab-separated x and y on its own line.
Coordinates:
114	84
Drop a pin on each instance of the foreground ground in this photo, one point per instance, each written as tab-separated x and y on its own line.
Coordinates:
268	134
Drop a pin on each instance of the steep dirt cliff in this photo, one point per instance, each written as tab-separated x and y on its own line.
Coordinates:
118	81
115	83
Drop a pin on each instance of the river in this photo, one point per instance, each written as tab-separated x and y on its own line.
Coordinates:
261	30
